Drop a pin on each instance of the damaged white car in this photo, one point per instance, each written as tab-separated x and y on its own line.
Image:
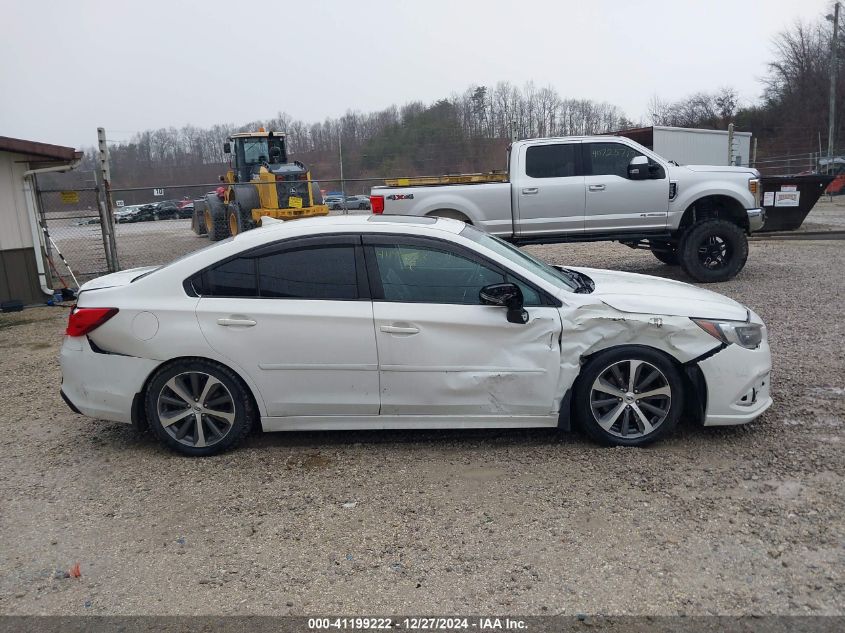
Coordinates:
387	322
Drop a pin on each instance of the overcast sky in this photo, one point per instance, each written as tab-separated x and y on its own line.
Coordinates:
129	65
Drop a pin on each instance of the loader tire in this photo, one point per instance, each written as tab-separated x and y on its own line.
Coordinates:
198	218
216	223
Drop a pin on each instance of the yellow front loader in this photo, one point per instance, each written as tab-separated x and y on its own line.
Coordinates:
260	183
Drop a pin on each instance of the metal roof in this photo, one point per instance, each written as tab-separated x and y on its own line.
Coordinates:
42	150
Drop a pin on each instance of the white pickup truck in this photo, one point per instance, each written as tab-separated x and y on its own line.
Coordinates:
578	189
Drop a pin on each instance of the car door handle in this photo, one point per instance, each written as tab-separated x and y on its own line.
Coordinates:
597	187
399	329
236	322
530	190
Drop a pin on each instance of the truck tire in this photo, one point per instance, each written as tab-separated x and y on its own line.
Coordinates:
238	219
216	223
666	253
198	218
713	250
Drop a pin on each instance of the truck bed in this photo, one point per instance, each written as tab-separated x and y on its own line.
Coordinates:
448	179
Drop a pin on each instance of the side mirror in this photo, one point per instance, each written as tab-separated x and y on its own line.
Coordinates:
227	148
638	168
507	296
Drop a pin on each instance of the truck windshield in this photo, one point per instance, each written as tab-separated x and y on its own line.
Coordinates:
511	252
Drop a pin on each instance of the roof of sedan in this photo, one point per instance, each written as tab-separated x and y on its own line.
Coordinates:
365	222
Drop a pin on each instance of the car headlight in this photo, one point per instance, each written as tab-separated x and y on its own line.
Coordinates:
747	335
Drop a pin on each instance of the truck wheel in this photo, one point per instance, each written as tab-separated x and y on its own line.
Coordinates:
713	250
215	218
665	252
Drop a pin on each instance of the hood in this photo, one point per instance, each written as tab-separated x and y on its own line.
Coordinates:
122	278
724	168
644	294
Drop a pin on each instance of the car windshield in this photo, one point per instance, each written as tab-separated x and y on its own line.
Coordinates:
521	258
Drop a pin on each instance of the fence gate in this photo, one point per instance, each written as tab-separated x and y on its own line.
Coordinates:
72	216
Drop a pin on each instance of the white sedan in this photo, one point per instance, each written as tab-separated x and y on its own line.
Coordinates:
380	322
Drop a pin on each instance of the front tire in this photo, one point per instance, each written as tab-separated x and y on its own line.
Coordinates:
628	396
198	408
713	250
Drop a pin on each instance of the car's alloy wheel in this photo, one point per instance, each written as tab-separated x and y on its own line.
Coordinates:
630	399
196	409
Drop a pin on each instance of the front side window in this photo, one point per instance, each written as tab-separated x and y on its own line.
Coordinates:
551	161
611	159
326	272
427	275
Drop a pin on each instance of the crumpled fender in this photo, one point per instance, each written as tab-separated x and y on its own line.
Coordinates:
590	326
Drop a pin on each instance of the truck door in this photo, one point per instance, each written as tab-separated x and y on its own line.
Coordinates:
616	203
548	189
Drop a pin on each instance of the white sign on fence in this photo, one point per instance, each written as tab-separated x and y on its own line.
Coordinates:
118	203
158	192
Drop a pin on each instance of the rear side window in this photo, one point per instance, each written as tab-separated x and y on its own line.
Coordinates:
319	272
234	278
551	161
309	273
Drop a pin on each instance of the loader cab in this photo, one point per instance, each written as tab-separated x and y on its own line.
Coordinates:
253	150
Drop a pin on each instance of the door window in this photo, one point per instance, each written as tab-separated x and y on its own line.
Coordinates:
427	275
233	278
326	272
551	161
611	159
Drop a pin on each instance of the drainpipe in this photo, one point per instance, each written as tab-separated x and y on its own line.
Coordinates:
31	206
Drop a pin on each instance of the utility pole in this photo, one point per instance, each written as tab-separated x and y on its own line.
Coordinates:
107	218
730	143
834	49
342	184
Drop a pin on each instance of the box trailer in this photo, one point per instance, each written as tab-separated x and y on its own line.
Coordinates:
692	146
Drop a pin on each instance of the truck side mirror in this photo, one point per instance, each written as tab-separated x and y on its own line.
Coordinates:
227	148
638	168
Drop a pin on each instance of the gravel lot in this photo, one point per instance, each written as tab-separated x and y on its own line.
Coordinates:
731	521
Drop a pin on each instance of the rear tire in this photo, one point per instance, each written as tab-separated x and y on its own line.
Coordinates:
713	250
198	408
237	222
216	223
665	252
617	409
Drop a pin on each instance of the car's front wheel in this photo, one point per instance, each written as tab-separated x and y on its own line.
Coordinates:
628	396
198	407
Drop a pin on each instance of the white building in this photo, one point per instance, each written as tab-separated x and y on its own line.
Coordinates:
24	271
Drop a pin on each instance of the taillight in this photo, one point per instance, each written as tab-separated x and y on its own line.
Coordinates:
377	204
84	320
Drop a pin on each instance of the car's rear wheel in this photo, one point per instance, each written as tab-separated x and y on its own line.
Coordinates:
628	396
198	407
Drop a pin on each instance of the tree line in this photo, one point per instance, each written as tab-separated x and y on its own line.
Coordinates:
470	130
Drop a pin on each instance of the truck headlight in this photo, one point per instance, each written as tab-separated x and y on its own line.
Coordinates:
747	335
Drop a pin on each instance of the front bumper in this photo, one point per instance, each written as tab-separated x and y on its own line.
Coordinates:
101	385
738	388
756	219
